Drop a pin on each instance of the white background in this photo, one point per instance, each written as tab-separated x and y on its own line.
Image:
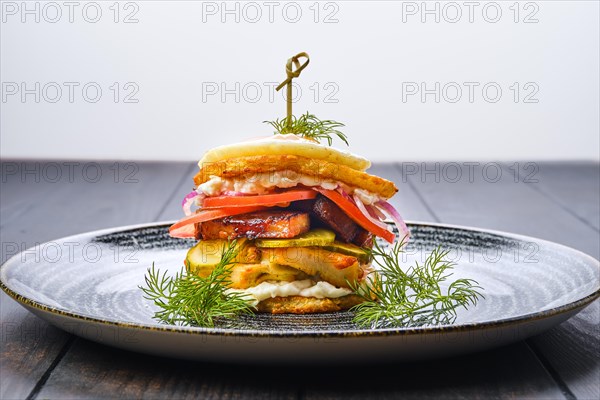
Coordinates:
368	53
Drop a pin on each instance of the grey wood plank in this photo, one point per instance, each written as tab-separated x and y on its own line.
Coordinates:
571	350
574	186
44	210
37	207
94	371
28	345
494	200
109	371
28	348
508	372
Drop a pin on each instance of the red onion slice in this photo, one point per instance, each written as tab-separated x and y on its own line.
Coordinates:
188	201
395	216
344	194
366	213
376	213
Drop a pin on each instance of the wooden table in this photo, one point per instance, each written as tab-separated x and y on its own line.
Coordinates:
41	201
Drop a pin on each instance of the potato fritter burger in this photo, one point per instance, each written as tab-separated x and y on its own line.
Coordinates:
303	215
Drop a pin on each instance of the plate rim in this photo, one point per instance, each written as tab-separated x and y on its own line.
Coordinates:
193	330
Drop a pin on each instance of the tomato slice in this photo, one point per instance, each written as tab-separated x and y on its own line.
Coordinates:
184	228
355	214
267	200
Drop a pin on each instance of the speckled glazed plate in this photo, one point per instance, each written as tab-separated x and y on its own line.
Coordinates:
88	285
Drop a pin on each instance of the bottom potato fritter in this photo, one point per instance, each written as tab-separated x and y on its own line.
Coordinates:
307	305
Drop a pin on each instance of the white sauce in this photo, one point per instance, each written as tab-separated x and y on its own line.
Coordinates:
304	288
365	196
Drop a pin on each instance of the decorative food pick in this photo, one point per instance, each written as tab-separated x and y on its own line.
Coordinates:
291	74
307	125
284	224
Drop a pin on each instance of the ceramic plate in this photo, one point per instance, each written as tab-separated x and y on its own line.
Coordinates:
88	285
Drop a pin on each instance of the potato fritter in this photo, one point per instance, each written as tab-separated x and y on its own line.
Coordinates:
307	305
246	167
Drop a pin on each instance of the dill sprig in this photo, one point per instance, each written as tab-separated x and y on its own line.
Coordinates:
311	127
412	296
188	299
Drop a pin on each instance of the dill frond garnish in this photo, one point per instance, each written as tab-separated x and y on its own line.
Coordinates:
188	299
310	127
412	296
